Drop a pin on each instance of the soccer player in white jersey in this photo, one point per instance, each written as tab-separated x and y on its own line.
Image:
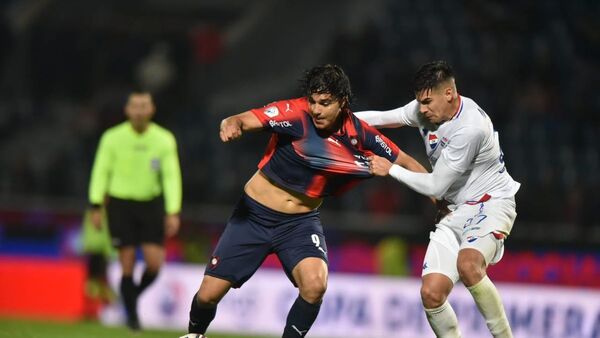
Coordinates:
469	174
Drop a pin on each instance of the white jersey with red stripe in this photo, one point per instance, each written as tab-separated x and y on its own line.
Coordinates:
468	143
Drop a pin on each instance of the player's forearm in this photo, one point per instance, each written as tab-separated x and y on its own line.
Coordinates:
419	182
410	163
246	121
430	184
381	119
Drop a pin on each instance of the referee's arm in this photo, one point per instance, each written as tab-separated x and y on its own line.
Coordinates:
171	182
171	178
99	179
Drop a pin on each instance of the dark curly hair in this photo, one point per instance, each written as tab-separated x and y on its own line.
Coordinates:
432	74
329	79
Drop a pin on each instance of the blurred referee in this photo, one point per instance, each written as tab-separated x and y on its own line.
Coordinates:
135	169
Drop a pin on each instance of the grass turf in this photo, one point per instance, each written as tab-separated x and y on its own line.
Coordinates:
18	328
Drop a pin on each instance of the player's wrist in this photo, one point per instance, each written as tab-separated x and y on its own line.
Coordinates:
395	169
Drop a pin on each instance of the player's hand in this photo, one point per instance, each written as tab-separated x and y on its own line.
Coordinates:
379	166
442	210
172	223
96	218
231	129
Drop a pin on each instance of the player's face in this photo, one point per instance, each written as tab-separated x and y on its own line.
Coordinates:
434	105
139	110
325	110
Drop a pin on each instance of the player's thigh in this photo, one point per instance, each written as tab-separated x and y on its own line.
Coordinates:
299	239
442	253
486	226
491	247
240	251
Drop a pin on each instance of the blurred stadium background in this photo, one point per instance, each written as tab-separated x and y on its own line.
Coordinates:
65	66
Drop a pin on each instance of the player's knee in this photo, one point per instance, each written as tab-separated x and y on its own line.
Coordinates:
313	289
207	298
470	272
432	297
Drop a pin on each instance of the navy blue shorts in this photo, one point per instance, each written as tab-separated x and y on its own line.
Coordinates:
254	231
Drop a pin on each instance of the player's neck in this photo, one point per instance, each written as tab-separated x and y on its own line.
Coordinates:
453	109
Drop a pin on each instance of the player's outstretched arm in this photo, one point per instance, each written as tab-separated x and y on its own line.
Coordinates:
233	126
433	184
380	166
393	118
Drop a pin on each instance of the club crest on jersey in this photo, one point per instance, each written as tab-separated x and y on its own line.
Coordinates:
433	141
271	111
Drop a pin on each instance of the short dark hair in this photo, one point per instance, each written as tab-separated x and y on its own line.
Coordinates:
432	74
137	91
326	79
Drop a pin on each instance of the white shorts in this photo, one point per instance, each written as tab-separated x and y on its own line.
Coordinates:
477	226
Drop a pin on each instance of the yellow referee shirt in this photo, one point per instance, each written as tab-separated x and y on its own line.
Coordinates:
138	167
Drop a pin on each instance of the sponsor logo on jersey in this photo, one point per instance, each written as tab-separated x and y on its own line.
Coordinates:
444	142
383	145
334	141
271	112
362	161
433	141
282	124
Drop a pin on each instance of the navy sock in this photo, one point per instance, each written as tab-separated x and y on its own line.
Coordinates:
129	294
147	278
200	316
301	317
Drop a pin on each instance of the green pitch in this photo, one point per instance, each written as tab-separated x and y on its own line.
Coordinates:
10	328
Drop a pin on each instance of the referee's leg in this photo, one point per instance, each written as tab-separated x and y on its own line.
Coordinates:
128	288
154	257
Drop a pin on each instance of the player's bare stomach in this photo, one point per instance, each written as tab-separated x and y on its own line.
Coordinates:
267	193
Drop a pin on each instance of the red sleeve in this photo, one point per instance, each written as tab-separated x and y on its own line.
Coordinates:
282	115
379	144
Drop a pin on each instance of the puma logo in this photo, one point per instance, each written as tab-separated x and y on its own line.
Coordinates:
300	332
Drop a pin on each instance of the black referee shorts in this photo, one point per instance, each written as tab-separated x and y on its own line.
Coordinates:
134	222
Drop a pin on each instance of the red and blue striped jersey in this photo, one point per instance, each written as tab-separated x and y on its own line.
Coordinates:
302	158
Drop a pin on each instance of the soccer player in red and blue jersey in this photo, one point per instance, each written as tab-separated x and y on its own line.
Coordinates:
318	148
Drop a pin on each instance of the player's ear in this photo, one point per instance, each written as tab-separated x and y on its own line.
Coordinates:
344	104
449	93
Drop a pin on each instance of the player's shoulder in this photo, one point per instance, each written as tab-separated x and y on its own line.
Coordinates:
285	107
472	114
295	105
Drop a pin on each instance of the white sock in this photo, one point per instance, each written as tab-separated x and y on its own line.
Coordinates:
488	301
443	321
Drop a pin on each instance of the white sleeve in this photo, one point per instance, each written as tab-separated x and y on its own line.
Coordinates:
433	184
402	116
